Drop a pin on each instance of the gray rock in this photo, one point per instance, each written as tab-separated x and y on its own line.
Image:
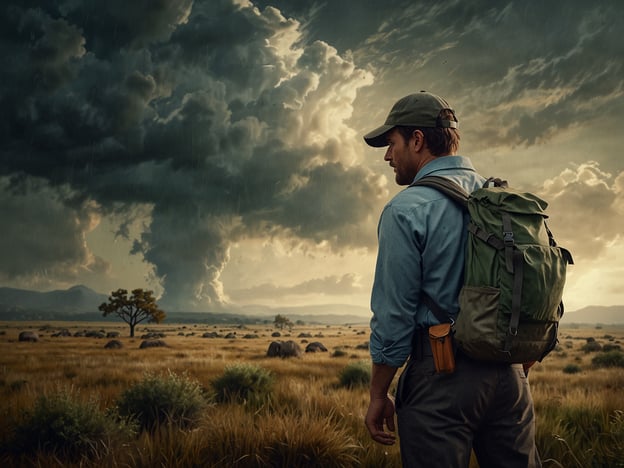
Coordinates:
315	347
284	349
153	344
28	336
114	344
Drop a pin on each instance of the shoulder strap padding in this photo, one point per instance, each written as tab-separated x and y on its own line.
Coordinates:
453	190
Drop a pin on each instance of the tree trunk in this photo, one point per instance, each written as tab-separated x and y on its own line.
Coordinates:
132	330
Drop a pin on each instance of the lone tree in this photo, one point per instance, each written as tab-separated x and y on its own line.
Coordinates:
282	322
137	308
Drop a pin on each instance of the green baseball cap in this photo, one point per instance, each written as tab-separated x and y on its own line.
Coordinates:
415	110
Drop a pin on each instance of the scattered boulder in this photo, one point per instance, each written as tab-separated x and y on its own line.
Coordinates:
304	335
284	349
63	332
28	336
231	335
212	334
112	334
250	336
153	344
113	344
152	336
276	334
274	349
94	334
315	347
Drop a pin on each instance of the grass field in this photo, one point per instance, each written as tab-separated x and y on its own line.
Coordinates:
308	419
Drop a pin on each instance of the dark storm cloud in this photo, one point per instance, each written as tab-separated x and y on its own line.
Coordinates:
43	234
207	113
517	71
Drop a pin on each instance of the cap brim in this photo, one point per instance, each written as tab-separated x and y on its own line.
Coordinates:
377	137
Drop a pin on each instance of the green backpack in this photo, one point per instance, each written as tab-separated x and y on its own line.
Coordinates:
510	303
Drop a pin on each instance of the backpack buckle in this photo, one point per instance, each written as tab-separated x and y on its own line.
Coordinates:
508	237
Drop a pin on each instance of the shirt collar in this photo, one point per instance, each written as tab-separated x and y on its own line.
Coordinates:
442	163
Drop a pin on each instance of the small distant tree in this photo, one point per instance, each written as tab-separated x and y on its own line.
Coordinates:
282	322
134	309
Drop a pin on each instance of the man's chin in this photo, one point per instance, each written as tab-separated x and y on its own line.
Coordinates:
401	181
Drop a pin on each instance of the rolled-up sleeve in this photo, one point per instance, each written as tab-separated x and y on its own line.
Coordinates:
396	288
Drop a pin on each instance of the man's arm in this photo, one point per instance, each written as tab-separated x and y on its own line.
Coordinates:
381	406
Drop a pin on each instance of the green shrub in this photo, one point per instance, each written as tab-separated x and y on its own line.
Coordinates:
571	369
244	383
613	358
591	346
356	374
156	400
339	353
64	425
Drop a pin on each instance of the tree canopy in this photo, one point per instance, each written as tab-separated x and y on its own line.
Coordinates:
282	322
133	309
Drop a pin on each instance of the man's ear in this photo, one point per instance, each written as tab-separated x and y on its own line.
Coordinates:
418	140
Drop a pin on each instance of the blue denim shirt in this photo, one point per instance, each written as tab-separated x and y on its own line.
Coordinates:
422	237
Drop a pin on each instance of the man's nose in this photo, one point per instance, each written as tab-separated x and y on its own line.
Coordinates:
387	155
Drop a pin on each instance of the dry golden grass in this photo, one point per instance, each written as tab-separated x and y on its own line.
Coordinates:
309	420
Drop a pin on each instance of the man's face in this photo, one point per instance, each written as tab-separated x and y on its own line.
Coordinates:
401	157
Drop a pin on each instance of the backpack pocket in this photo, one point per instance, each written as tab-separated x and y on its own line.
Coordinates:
481	329
477	325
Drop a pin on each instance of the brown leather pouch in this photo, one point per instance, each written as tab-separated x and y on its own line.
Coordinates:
441	340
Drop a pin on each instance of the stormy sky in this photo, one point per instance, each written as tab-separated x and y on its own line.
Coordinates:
211	150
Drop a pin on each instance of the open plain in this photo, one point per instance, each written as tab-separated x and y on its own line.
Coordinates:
309	419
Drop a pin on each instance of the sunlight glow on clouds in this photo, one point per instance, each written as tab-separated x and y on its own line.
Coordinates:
212	149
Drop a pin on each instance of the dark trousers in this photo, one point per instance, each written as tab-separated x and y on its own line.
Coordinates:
485	406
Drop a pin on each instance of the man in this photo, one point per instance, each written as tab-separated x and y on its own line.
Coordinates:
422	236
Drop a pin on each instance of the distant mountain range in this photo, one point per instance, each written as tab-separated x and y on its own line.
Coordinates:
605	315
78	299
81	303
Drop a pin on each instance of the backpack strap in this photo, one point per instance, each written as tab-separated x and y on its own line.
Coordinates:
433	306
452	189
516	299
460	196
457	194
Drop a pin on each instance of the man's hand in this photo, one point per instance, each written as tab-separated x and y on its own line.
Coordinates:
380	411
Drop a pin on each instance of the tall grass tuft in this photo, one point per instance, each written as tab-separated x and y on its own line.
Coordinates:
244	383
572	369
62	425
156	400
614	358
355	374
